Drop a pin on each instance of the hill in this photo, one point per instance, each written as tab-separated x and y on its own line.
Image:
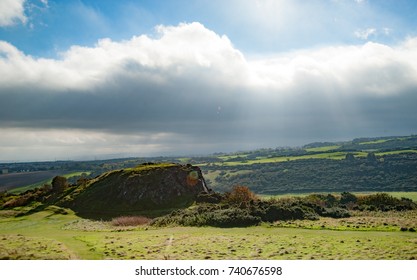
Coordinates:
143	188
148	188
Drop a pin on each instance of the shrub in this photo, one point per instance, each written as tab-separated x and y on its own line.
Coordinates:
335	212
209	215
125	221
348	198
59	184
240	196
213	197
232	217
386	202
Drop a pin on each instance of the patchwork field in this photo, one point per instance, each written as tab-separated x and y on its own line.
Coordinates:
13	180
49	235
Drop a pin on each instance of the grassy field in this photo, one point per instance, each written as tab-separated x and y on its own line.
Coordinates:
323	149
50	235
330	155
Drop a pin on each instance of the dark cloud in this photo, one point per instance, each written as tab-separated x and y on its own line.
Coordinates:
145	96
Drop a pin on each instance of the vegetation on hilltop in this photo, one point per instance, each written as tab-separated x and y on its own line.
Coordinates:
397	172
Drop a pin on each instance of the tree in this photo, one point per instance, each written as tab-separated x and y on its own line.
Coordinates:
371	157
350	157
59	184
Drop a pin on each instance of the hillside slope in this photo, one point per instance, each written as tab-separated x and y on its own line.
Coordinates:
148	187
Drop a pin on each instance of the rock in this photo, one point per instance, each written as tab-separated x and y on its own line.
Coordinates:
147	187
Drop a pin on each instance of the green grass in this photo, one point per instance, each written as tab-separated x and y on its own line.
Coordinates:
374	142
144	167
48	235
330	155
229	157
396	152
323	149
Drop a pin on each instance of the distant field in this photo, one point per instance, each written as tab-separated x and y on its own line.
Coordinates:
374	142
14	180
322	149
47	181
324	155
395	152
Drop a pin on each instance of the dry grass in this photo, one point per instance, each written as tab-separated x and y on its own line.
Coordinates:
126	221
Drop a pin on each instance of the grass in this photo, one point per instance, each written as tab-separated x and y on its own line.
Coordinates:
323	149
50	235
374	142
330	155
144	167
395	152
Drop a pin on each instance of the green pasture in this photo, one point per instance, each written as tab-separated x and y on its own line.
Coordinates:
395	152
374	142
51	235
323	149
262	160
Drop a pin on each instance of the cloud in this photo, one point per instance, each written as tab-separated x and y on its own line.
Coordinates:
365	33
11	12
186	89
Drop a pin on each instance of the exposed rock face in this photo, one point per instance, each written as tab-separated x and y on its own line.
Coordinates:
146	187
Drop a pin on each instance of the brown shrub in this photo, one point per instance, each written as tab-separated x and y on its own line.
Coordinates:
240	195
125	221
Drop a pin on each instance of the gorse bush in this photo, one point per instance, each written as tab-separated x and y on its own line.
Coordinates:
209	215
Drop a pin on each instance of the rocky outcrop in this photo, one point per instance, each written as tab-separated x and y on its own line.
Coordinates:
147	187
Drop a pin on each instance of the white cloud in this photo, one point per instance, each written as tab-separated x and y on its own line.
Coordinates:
178	51
365	33
163	93
190	51
11	12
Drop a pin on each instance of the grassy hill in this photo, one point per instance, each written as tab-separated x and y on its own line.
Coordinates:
149	188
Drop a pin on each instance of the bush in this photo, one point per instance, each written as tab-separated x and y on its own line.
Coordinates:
348	198
232	217
276	212
125	221
386	202
213	197
335	212
209	215
240	196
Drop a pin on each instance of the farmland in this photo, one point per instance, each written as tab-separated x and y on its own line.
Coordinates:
13	180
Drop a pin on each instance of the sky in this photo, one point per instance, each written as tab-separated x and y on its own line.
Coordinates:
87	79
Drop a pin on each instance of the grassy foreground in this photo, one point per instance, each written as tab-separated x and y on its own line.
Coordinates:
51	235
